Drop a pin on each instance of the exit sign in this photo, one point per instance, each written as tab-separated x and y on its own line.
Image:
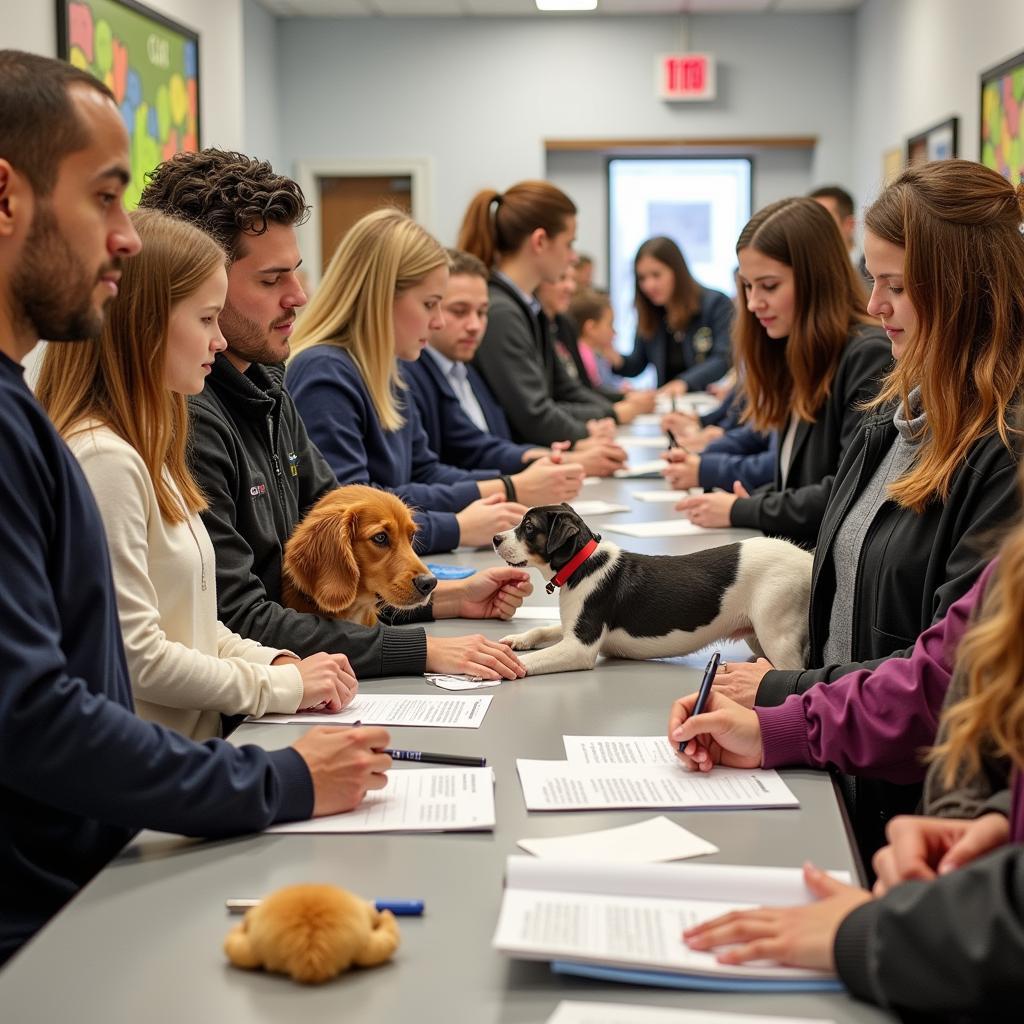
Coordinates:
685	76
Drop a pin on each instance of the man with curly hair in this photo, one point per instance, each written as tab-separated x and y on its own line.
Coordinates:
251	454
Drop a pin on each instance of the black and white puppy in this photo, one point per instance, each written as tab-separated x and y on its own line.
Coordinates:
628	605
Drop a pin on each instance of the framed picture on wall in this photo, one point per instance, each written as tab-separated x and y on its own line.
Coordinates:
1001	121
149	63
936	143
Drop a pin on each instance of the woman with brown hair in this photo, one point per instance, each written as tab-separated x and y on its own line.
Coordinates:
808	357
120	404
683	328
525	236
931	474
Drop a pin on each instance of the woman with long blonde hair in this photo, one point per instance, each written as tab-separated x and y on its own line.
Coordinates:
932	471
376	306
120	404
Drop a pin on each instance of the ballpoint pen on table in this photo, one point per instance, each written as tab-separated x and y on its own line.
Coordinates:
705	689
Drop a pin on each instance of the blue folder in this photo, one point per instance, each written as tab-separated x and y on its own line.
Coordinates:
666	979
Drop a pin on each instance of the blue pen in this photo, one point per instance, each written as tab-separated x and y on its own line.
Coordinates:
705	690
400	908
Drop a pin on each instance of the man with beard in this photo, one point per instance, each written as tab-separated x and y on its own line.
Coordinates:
251	455
79	772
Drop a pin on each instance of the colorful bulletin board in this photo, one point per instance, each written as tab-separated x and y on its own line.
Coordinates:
150	64
1002	118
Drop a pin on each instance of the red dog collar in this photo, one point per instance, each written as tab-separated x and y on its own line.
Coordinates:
563	574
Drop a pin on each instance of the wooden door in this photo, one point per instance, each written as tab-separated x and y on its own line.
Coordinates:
343	200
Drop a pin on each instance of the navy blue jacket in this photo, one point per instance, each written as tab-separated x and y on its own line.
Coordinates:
333	402
457	440
742	454
703	366
79	772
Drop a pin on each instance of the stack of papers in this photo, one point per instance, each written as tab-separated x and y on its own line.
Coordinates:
638	469
665	496
537	612
642	441
597	508
631	917
397	709
416	800
564	786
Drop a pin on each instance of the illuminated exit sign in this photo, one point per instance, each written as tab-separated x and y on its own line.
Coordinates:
685	76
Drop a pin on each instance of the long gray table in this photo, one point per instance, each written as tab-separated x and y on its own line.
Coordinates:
143	941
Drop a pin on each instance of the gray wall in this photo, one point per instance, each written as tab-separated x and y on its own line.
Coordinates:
262	108
455	90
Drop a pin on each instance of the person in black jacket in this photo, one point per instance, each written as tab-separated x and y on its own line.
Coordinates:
80	773
683	329
931	474
250	451
810	359
525	236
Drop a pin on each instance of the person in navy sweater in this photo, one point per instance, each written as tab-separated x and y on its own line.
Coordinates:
80	773
463	420
374	310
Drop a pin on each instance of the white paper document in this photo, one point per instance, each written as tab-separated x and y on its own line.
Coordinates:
565	786
628	750
642	441
416	800
646	842
589	481
597	508
537	612
398	709
659	496
637	469
571	1011
666	528
633	915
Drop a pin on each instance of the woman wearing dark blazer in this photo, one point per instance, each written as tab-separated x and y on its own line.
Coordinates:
810	358
683	329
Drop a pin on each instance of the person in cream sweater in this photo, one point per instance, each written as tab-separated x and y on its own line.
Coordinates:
121	407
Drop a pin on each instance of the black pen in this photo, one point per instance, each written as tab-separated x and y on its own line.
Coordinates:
427	758
672	442
705	689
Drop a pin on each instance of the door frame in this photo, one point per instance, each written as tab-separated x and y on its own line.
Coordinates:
308	172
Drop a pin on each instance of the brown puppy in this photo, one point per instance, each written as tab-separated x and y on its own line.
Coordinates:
351	552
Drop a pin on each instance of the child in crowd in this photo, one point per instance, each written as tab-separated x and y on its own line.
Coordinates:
120	404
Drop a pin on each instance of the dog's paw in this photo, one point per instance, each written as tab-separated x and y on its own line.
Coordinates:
518	641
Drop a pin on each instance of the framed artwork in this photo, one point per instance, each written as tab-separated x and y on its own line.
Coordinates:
892	164
1002	124
936	143
149	63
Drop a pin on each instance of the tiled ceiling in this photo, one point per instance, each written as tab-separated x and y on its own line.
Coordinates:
527	8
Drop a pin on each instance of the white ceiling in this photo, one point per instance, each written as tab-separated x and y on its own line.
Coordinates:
527	8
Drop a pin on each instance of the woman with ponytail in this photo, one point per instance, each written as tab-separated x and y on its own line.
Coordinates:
525	237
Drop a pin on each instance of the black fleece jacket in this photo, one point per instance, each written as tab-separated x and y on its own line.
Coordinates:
261	473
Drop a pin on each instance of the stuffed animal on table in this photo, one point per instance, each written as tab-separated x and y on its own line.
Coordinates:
312	933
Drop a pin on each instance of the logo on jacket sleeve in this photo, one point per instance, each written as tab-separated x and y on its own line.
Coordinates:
257	489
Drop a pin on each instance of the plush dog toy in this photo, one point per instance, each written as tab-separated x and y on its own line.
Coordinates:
312	933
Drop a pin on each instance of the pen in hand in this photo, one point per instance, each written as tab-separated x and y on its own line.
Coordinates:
705	690
426	757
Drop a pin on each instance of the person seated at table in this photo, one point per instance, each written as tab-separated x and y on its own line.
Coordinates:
80	774
378	303
456	407
525	236
251	454
810	358
945	931
741	455
931	472
683	329
555	300
120	405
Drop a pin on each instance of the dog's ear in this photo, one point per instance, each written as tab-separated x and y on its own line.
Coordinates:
321	562
563	529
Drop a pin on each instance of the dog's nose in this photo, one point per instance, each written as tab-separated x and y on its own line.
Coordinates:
424	583
497	539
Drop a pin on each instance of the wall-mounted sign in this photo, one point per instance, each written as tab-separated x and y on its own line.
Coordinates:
685	76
